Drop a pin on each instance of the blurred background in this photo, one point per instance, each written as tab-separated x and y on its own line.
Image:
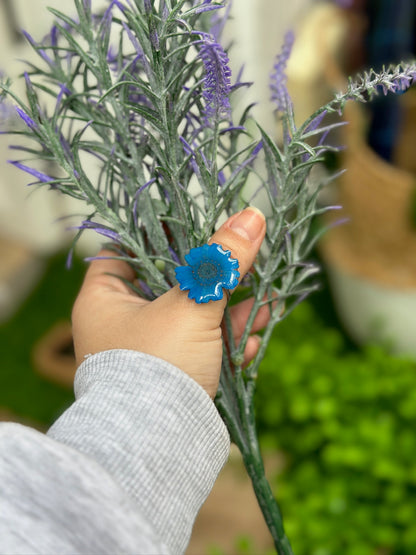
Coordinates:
336	399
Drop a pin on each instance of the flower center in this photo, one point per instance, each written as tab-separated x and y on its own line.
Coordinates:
207	272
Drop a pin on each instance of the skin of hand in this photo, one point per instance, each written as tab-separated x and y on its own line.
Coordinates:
107	314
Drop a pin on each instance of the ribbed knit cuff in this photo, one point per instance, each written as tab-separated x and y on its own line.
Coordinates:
154	429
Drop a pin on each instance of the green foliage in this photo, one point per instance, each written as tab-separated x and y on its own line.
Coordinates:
22	390
346	421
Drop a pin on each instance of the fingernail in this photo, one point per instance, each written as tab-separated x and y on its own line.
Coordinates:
249	223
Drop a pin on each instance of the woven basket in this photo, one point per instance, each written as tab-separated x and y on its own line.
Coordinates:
379	240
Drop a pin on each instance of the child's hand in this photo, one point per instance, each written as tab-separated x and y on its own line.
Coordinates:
108	315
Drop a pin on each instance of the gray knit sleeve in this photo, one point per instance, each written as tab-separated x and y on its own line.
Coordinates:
154	429
146	444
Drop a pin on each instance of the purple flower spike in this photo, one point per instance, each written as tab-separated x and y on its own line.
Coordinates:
403	83
106	21
54	36
211	269
69	258
101	229
154	38
189	151
206	6
136	196
35	45
28	120
278	78
203	9
39	175
221	179
174	256
119	5
146	289
316	122
258	148
29	38
217	85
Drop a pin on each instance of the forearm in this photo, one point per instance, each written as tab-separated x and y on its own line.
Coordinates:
154	430
125	469
54	499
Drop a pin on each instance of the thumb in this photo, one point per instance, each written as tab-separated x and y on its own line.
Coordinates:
242	234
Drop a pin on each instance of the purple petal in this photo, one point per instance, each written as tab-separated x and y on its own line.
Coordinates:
137	194
146	289
39	175
221	178
101	229
36	46
217	85
27	119
69	258
54	36
316	122
278	78
119	5
174	256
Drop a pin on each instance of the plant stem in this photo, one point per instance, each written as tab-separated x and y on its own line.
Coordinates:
267	502
236	408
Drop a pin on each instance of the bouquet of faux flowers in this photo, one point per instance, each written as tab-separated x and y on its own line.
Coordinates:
141	129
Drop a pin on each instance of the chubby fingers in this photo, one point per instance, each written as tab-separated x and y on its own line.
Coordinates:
240	313
106	272
253	345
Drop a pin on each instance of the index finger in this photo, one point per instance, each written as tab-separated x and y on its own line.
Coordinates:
107	270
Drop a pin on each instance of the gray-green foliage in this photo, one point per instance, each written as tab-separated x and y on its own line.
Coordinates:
141	93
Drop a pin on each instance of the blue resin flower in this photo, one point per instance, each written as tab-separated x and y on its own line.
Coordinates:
210	270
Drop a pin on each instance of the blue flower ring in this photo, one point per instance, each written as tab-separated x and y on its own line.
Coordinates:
210	270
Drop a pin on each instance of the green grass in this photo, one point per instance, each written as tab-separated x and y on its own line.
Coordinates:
22	390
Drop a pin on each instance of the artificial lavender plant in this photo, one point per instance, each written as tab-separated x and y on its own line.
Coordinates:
133	109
